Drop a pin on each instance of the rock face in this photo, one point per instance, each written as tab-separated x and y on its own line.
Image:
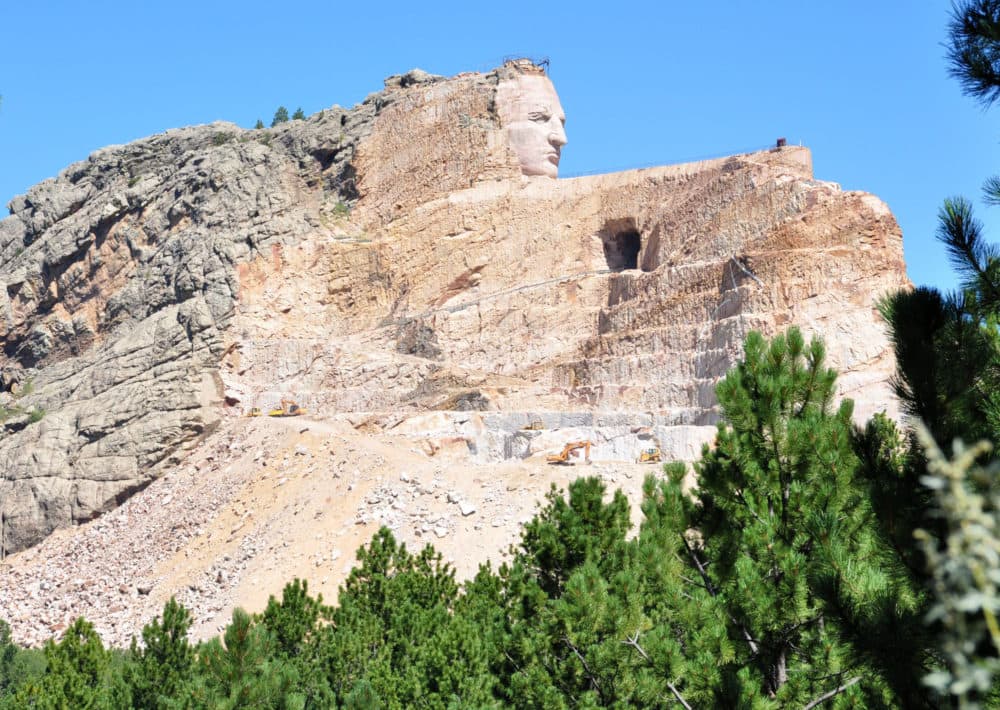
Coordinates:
390	260
119	278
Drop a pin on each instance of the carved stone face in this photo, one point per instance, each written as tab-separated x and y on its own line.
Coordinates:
533	118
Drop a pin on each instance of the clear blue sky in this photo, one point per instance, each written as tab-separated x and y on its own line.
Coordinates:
862	83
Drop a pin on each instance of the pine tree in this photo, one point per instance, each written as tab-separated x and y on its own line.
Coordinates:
293	620
947	345
395	636
948	358
771	583
8	652
295	625
280	116
299	115
244	671
789	541
79	674
584	616
158	671
973	37
259	124
18	666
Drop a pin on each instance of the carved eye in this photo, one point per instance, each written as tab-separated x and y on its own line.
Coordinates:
539	116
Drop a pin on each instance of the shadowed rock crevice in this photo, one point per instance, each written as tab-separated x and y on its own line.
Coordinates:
621	243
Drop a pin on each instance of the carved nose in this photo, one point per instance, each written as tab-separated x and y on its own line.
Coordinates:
558	135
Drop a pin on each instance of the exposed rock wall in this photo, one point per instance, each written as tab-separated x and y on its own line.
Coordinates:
119	277
432	139
517	288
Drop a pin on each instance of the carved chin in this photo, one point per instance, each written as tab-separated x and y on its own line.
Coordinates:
548	167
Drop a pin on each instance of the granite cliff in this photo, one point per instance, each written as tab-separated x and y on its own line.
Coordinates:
390	268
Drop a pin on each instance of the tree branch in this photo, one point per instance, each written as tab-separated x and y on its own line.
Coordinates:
714	592
826	696
677	695
749	639
590	673
634	643
700	567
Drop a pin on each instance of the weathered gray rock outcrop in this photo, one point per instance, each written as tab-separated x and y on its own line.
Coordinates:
116	279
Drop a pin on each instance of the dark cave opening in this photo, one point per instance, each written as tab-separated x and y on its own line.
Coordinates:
621	248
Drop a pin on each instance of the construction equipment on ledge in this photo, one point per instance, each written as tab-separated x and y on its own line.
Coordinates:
288	409
571	449
254	412
535	425
650	455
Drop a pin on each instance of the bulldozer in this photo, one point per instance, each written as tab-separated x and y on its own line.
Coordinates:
650	455
253	412
535	425
571	449
288	408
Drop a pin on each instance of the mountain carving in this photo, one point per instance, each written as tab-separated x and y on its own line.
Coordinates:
392	269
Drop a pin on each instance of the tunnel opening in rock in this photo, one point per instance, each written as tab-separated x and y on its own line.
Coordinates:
621	248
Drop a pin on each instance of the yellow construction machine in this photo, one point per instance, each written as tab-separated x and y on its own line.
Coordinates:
254	412
535	425
288	409
650	455
571	449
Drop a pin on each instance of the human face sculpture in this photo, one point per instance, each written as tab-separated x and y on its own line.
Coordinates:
533	118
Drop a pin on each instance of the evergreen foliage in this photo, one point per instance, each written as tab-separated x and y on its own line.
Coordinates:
299	115
395	639
974	48
244	670
18	666
790	541
947	345
280	116
772	586
259	124
79	674
948	357
158	671
295	625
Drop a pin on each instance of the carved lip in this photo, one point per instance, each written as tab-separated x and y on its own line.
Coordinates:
552	157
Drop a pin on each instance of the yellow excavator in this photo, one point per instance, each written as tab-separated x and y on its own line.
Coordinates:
571	449
288	408
650	455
